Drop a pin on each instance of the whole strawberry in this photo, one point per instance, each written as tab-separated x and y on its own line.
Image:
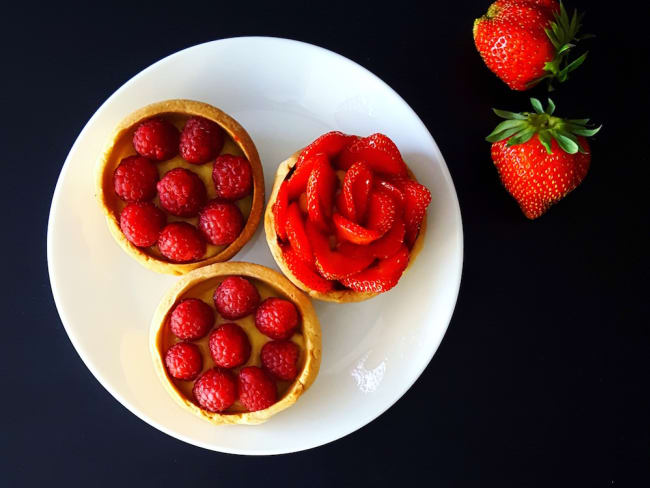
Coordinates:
540	158
526	41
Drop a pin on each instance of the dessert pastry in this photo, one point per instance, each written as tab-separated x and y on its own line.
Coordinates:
235	343
181	185
346	217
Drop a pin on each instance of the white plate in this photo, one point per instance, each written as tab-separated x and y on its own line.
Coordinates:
285	93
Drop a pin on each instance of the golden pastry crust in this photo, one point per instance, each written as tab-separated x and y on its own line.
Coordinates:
310	329
339	296
115	148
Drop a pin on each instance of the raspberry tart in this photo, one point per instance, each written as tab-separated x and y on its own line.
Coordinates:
346	217
235	343
181	185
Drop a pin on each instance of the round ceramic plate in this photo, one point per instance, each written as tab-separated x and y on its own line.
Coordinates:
285	93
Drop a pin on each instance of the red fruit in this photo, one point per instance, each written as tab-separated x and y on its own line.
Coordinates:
333	265
416	200
236	297
181	242
201	140
356	190
135	179
393	190
355	233
382	211
191	319
378	152
232	177
329	144
280	211
305	273
338	162
297	235
297	183
277	318
320	194
221	222
215	390
380	277
181	192
229	346
256	389
156	139
141	223
280	359
391	241
183	361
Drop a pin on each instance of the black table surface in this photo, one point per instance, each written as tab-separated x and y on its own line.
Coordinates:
542	377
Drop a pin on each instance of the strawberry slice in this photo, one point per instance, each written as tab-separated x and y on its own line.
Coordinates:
320	193
356	188
378	151
304	273
329	144
345	165
382	211
296	234
391	241
333	265
341	207
300	176
352	232
417	198
393	190
382	276
280	211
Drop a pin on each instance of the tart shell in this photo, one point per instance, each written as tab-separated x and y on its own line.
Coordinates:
339	296
310	329
110	159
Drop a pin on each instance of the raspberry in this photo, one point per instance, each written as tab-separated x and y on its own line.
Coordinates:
201	140
221	222
256	389
236	297
276	318
183	361
191	319
135	179
182	193
280	359
232	176
181	242
141	223
156	139
215	390
229	346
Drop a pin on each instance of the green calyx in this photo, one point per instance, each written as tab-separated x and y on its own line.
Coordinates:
563	34
521	127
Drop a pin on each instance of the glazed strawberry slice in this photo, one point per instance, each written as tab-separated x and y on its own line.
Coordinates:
297	183
416	200
296	234
352	232
392	189
320	193
329	144
304	273
333	265
341	207
356	189
382	211
382	276
378	151
338	162
280	211
390	242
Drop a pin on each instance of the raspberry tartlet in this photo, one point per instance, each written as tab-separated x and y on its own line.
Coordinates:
346	217
181	185
235	343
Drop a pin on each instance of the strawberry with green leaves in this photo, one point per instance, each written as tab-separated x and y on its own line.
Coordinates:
540	157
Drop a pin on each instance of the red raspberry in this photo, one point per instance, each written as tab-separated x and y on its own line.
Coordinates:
191	319
229	346
182	193
135	179
236	297
215	390
183	361
232	176
221	222
156	139
256	389
201	140
141	223
181	242
280	358
276	318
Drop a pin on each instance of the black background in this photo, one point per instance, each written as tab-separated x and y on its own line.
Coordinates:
542	377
